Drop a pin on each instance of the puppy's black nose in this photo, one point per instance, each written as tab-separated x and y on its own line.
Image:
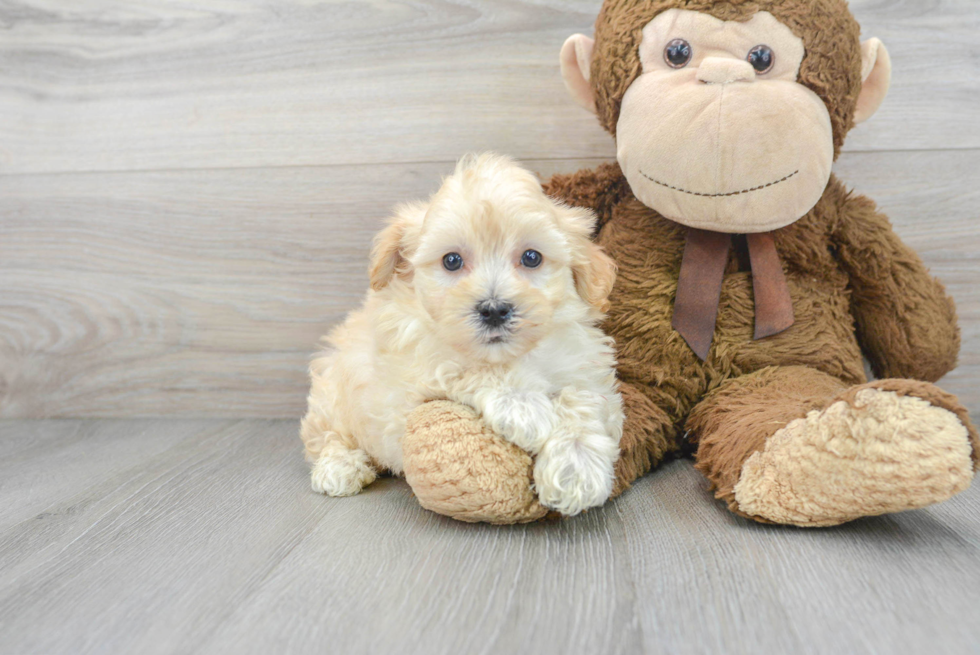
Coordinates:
494	313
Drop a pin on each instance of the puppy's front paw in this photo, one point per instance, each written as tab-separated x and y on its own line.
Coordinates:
572	475
342	474
525	418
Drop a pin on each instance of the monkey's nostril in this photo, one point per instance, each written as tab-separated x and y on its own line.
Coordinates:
724	70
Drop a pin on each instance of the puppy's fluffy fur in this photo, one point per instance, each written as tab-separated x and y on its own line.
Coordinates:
534	364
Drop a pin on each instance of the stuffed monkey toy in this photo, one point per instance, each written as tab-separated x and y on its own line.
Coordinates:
751	281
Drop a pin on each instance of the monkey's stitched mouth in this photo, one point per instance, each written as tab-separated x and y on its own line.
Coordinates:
718	195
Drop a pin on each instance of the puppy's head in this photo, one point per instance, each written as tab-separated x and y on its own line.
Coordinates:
494	261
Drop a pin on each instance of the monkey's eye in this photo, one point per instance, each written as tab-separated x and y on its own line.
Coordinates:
452	262
531	259
762	59
677	54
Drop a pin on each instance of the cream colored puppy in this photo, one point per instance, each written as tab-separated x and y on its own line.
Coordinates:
487	295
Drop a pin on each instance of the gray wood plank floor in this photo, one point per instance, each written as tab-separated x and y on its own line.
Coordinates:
168	536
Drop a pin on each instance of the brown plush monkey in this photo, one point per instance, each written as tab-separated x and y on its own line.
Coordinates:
751	281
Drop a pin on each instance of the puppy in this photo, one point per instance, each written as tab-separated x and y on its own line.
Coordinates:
487	295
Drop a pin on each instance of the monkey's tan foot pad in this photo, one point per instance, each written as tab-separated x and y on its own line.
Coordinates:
459	468
874	453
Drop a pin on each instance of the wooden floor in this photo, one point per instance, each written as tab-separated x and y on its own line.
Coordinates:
202	536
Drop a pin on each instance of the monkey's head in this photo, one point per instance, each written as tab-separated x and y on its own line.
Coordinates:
727	114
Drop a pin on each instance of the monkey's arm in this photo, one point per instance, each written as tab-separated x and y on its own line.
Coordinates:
906	322
598	190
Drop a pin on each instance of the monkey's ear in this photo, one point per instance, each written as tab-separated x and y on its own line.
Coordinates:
391	246
576	66
876	73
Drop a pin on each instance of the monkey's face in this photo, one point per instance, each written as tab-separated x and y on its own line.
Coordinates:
727	118
716	133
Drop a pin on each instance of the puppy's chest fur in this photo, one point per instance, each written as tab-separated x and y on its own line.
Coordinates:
569	356
382	369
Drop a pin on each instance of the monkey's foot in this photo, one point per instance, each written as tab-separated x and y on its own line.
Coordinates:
874	452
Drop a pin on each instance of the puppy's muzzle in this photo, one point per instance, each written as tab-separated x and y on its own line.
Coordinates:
495	313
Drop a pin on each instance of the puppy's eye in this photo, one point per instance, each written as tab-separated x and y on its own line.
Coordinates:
677	53
452	262
762	59
531	259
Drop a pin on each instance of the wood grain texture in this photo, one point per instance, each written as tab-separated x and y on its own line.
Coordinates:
46	461
203	293
122	85
214	544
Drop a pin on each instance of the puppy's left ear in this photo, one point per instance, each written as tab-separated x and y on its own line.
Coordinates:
389	255
594	270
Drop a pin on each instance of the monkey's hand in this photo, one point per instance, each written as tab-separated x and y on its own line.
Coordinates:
458	467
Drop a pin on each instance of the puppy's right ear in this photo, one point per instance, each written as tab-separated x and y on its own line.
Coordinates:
594	271
392	245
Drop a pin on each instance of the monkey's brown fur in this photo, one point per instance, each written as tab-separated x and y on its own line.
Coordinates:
856	288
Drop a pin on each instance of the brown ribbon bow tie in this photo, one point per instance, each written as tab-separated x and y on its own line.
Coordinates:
699	287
